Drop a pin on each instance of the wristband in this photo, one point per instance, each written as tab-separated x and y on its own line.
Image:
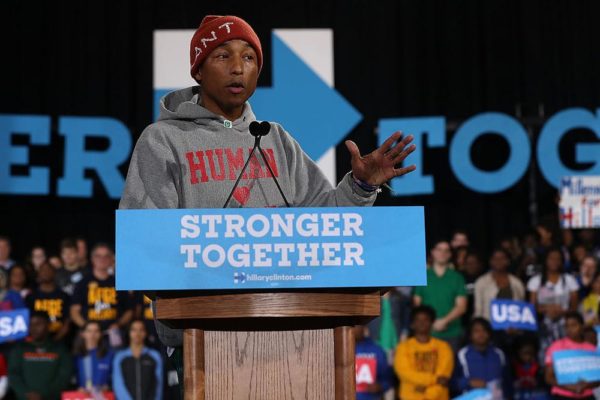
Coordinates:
364	185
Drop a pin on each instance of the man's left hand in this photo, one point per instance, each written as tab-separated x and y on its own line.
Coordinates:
379	166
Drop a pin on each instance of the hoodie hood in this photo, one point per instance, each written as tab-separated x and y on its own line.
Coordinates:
184	104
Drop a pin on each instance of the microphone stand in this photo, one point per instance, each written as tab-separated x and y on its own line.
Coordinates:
258	130
237	182
262	153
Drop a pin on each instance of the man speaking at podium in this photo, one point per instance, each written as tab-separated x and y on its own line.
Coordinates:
193	154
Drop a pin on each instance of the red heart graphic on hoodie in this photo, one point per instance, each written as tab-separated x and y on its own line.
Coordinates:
241	194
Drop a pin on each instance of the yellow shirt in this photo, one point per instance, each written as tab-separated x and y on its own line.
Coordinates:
421	364
589	308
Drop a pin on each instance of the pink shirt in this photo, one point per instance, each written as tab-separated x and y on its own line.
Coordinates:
568	344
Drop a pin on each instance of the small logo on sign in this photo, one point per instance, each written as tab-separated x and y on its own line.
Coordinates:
239	277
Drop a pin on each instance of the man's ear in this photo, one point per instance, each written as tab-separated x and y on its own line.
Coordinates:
198	76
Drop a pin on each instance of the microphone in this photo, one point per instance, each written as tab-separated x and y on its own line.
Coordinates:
258	130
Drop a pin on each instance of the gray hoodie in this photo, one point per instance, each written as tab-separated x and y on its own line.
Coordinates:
190	159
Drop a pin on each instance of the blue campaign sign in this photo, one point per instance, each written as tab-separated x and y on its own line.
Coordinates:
572	366
514	314
14	324
476	394
270	248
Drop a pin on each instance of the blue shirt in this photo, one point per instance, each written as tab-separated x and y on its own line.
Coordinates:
368	349
489	365
92	368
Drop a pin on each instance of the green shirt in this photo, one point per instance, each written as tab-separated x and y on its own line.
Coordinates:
441	293
39	367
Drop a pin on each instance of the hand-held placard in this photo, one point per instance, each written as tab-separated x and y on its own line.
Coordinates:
258	130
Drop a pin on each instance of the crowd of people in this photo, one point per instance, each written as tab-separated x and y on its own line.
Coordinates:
432	342
436	342
83	334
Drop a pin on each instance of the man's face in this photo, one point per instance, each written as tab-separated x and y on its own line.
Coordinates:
459	239
479	335
46	273
69	256
38	328
441	253
421	324
228	76
102	259
4	250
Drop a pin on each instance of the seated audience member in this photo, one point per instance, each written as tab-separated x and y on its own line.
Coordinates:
71	272
37	256
40	368
5	247
48	297
96	298
589	306
373	373
498	283
527	373
460	238
137	370
423	363
588	270
55	261
574	340
472	271
459	257
480	364
93	359
9	299
588	238
513	247
82	251
446	293
18	280
554	293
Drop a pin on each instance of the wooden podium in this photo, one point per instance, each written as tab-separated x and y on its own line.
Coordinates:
268	297
261	345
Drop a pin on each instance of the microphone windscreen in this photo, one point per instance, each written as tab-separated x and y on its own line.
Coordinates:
259	128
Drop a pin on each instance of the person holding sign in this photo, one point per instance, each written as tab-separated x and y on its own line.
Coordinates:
423	363
498	283
373	373
573	341
193	155
480	364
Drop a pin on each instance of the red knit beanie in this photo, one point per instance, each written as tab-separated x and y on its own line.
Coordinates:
215	30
